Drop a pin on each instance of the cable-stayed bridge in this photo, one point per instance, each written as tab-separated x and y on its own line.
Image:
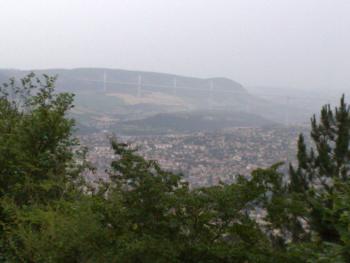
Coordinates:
212	92
140	85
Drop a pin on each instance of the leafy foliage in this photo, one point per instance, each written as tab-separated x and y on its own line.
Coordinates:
38	155
146	214
307	210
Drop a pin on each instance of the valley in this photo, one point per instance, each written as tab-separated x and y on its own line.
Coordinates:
209	130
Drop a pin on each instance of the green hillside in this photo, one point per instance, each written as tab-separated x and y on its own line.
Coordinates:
188	122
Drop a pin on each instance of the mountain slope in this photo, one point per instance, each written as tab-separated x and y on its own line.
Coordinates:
188	122
127	95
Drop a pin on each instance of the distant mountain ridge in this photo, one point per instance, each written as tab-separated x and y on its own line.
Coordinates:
122	95
81	77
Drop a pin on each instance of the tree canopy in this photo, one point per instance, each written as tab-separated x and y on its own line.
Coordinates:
48	213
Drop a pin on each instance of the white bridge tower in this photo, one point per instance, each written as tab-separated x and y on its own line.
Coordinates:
139	86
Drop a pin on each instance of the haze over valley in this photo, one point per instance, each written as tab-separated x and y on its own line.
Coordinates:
199	127
177	131
108	96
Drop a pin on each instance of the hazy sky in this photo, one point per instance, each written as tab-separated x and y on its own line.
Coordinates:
297	43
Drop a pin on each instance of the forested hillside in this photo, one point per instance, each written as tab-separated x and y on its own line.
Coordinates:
195	121
48	213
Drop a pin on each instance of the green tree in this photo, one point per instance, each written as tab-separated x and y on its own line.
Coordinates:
306	212
147	214
161	220
36	144
39	158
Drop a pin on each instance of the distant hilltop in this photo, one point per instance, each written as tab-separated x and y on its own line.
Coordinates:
115	94
110	79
